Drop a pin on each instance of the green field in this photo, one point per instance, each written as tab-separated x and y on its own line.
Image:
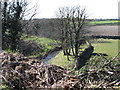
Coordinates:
108	46
107	22
45	43
40	40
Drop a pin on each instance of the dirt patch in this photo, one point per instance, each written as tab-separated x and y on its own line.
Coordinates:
104	30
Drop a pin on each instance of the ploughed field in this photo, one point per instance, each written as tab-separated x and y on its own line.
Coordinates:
105	30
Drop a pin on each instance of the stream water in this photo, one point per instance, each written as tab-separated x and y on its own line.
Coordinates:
50	56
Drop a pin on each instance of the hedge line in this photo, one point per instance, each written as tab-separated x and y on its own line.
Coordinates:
105	37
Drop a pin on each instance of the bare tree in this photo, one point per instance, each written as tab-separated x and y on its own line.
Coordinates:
72	23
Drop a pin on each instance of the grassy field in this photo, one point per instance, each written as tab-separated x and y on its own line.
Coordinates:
40	40
107	22
110	47
45	43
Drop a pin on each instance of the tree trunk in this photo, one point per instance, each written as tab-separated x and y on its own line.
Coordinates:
84	56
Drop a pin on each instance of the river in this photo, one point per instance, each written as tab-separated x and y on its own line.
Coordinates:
50	56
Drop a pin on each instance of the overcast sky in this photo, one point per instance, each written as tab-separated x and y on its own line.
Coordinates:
104	9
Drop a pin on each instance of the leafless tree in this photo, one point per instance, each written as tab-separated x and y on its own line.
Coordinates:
72	27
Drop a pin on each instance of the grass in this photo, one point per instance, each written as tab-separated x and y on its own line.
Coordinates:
46	43
108	46
61	60
107	22
4	87
40	40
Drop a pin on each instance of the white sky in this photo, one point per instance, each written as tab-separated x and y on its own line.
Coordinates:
104	9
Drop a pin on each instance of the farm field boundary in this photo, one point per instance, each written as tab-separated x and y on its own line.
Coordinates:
105	37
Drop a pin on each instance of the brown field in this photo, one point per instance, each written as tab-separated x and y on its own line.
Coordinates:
104	30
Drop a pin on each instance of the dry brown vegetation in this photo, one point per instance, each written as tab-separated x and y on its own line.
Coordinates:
20	72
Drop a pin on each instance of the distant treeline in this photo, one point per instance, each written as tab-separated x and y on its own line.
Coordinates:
102	19
47	28
106	37
100	24
86	19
